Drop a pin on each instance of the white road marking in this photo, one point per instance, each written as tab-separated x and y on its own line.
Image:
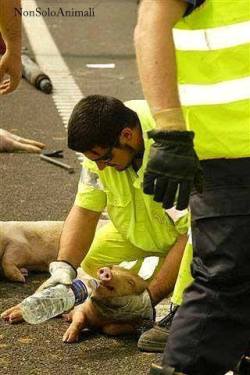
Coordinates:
213	38
66	92
101	66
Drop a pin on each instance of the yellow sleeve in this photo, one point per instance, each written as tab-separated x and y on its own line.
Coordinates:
181	219
182	225
90	194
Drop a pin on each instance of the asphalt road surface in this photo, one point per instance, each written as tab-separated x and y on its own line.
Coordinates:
31	189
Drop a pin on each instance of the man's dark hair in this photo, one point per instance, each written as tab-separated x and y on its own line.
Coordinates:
98	121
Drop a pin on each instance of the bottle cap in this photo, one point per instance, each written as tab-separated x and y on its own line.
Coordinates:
80	291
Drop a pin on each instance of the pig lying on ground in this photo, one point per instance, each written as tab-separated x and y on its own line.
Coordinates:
115	282
13	143
28	245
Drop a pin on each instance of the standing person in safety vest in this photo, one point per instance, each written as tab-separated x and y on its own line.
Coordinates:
210	61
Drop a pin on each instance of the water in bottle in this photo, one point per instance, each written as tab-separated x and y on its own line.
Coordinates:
54	301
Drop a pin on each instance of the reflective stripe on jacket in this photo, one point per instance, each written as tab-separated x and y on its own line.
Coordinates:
213	63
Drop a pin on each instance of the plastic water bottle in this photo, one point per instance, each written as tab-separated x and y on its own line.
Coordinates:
35	76
54	301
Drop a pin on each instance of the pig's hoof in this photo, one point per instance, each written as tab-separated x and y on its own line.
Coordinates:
12	315
69	339
19	279
71	335
14	275
24	272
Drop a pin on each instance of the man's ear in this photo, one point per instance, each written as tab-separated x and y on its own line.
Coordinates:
126	135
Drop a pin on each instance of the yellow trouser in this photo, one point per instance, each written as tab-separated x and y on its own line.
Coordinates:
109	247
184	278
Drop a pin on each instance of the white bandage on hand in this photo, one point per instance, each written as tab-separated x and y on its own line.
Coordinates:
170	119
126	308
61	273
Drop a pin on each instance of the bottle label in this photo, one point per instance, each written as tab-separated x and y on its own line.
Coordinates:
80	291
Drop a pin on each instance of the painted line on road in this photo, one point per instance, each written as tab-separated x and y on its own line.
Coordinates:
66	92
101	66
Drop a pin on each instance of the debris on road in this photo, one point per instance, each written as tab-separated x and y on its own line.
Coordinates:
33	74
51	160
54	153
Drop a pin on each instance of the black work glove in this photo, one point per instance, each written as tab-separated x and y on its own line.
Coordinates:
173	168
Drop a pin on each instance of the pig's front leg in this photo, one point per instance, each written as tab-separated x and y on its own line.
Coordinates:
13	315
79	321
12	262
10	143
115	329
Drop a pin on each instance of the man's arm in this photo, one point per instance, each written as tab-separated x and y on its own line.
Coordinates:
11	30
10	24
155	51
173	167
77	235
164	281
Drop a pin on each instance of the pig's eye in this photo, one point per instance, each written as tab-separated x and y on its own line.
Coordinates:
131	282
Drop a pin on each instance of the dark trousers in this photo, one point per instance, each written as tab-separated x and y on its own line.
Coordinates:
211	329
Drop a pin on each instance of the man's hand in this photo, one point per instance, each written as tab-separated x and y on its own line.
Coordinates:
173	168
10	64
126	308
61	273
11	31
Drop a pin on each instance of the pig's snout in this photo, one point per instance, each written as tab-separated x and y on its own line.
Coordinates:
105	274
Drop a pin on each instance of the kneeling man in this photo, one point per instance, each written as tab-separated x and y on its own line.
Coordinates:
113	138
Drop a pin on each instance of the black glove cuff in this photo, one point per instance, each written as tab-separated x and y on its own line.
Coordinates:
164	135
65	261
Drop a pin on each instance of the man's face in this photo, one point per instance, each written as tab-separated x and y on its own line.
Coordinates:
119	157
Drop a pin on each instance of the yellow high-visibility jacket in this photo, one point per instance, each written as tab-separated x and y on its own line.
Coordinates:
213	64
135	215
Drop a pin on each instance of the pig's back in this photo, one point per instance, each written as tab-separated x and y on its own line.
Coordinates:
32	233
